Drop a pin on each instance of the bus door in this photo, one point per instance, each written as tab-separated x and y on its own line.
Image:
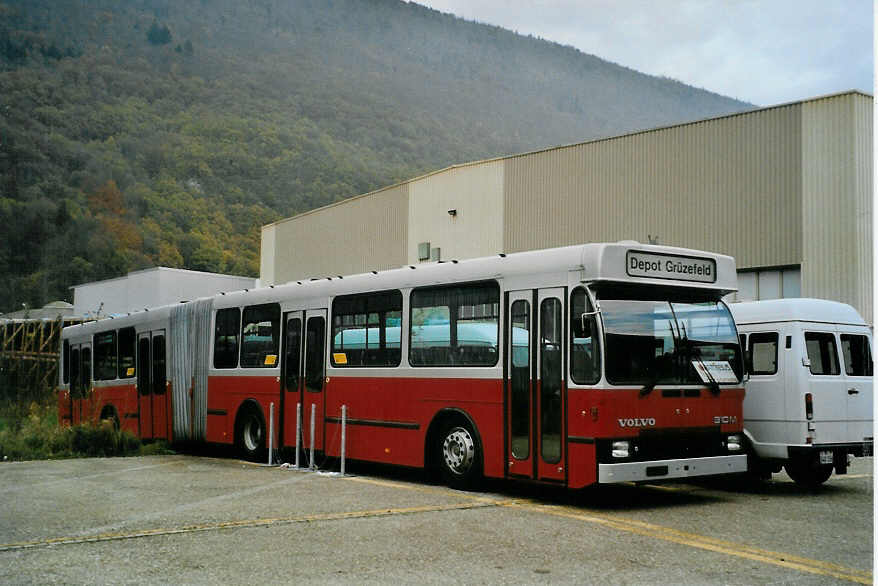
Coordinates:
314	377
160	397
80	381
304	372
144	385
152	388
291	377
535	384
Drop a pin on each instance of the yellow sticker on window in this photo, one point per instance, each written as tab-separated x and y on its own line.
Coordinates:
339	357
270	359
130	371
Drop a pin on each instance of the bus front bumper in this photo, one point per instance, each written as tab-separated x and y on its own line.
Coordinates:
665	469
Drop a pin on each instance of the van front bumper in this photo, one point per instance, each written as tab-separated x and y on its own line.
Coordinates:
666	469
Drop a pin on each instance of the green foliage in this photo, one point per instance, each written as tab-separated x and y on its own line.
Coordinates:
38	436
119	152
158	34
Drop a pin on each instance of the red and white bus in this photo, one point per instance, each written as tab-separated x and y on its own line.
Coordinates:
595	363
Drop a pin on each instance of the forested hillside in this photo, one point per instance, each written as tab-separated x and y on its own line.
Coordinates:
154	132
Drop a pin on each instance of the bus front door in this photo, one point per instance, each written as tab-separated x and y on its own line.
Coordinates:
535	384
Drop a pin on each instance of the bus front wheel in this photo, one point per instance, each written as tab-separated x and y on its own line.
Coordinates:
459	456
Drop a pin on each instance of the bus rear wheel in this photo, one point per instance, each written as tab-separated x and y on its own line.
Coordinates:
459	456
808	473
250	433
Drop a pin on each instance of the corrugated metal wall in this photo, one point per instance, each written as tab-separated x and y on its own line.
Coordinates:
475	193
837	208
786	186
730	185
358	235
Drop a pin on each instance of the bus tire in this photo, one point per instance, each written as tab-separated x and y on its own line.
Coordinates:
109	412
808	473
250	432
459	455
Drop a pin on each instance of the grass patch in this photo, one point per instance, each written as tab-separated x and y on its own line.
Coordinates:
38	436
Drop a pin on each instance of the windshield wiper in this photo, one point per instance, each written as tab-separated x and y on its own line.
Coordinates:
695	352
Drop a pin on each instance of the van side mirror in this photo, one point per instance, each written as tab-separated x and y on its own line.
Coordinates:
806	361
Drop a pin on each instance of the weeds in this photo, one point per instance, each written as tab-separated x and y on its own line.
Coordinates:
38	436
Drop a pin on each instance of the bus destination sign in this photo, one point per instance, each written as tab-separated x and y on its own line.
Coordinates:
669	266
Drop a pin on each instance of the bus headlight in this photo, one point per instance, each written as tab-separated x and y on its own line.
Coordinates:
621	449
734	442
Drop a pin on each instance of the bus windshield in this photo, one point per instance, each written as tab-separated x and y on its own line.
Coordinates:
661	342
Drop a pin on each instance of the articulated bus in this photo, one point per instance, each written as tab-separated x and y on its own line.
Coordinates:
595	363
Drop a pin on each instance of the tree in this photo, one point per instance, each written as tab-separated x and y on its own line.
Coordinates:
159	35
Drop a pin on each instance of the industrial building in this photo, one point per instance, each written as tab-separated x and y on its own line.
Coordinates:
786	190
150	288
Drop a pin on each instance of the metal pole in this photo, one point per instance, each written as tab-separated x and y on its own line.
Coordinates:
344	420
313	415
270	432
298	431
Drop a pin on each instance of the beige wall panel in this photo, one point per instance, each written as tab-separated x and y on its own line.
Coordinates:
729	185
837	187
267	255
361	234
476	193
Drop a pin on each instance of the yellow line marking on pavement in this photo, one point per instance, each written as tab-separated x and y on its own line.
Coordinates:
246	523
701	542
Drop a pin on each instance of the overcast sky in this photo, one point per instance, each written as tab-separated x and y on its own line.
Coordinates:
761	51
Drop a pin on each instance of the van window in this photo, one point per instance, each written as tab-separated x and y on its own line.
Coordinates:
857	355
822	353
763	353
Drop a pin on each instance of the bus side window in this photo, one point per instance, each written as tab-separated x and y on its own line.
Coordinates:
762	353
260	336
105	355
127	345
585	356
225	339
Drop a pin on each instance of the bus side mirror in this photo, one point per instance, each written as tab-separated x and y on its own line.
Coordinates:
586	323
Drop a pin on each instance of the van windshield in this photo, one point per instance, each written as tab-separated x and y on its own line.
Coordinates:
662	342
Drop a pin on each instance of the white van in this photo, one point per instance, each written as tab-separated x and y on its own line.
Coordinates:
808	403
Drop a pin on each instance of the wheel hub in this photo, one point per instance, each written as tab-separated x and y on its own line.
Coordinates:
458	449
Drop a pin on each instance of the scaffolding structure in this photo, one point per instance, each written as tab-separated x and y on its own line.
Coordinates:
29	353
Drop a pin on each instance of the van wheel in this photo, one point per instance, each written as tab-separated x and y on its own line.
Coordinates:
808	473
459	456
250	432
